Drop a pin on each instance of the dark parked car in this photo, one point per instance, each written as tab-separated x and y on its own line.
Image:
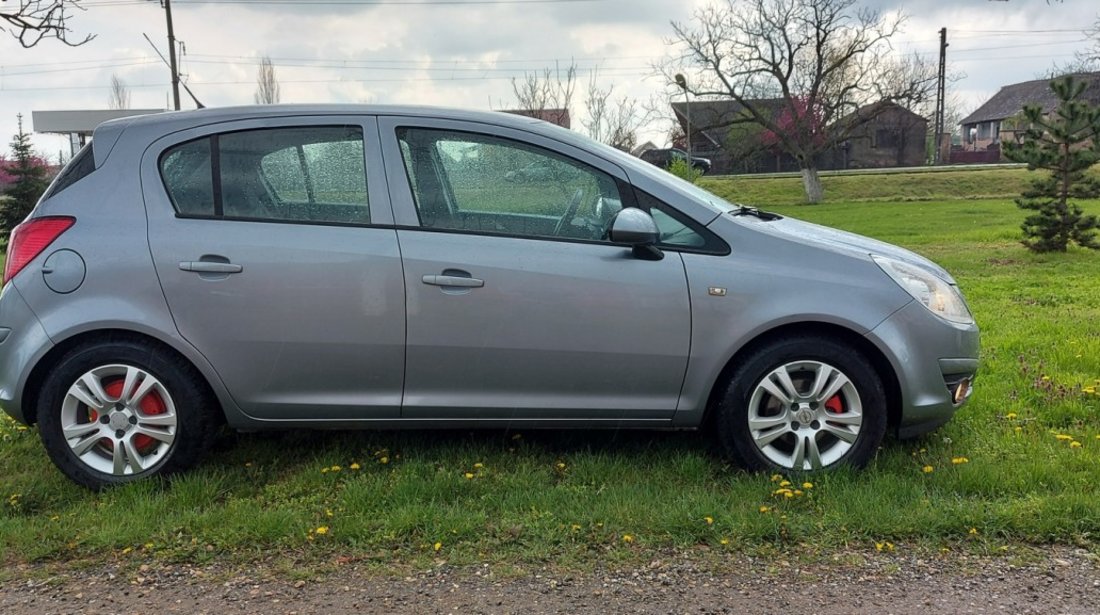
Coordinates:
665	157
342	267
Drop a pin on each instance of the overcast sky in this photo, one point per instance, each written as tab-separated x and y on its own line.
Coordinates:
457	52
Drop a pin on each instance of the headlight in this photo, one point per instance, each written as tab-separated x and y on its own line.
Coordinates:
934	293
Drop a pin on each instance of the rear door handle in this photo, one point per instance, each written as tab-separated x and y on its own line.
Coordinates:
210	267
453	281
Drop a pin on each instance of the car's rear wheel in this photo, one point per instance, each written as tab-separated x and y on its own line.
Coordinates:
114	412
803	404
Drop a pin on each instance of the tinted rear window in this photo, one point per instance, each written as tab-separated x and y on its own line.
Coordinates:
78	168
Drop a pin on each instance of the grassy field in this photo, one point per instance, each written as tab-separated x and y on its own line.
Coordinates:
938	185
1018	465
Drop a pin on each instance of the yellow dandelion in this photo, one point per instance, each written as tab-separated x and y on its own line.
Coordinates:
1075	444
785	483
973	531
959	460
764	509
437	546
328	513
709	520
927	469
1098	436
1010	415
879	546
575	527
354	466
321	531
798	492
324	470
335	468
127	550
147	546
469	475
1063	437
788	494
889	546
724	541
1018	429
1046	378
807	485
478	465
383	460
776	478
628	538
248	464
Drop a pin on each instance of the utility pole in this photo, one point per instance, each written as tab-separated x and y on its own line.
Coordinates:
940	102
172	56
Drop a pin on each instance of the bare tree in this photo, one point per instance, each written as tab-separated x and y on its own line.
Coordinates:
816	61
611	120
120	94
267	86
30	21
547	95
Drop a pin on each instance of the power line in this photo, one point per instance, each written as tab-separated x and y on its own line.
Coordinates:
344	2
282	81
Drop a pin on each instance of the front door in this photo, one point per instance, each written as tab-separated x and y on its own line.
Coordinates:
517	308
267	240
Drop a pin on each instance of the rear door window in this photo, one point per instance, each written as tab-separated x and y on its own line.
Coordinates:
308	174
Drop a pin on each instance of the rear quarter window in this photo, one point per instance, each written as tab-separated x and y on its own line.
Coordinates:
78	168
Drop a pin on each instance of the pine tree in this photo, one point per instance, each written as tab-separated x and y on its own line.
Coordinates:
29	174
1066	143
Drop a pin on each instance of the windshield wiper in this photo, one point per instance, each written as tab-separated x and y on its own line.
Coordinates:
744	210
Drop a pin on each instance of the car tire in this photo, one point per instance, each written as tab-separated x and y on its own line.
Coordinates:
802	403
114	412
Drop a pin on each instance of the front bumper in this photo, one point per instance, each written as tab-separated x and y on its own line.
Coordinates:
935	362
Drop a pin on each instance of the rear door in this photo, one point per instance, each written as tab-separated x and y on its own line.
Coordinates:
517	308
274	245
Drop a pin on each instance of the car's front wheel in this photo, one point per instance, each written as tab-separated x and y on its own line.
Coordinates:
114	412
803	403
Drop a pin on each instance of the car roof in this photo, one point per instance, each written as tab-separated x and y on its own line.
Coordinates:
107	133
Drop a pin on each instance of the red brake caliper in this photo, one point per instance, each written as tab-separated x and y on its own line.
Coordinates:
835	404
150	404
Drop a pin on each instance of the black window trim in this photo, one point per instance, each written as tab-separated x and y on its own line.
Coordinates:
216	174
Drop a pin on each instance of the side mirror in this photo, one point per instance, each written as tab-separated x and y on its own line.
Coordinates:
636	228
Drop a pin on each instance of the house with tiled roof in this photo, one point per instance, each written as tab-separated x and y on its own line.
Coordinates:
986	126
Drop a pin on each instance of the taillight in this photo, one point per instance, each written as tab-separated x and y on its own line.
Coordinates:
29	239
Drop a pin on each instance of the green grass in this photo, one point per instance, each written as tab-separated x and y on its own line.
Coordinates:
571	498
936	185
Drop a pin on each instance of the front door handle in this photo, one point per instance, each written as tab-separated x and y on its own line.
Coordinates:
454	281
210	267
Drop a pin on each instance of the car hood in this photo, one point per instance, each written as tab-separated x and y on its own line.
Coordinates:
807	233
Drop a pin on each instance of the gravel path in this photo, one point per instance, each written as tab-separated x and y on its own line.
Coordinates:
1053	581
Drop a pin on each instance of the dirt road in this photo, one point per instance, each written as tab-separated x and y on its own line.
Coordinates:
1051	581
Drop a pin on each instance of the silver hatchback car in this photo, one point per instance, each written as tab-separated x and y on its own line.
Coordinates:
345	267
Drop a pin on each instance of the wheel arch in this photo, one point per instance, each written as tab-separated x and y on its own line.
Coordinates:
882	365
33	388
